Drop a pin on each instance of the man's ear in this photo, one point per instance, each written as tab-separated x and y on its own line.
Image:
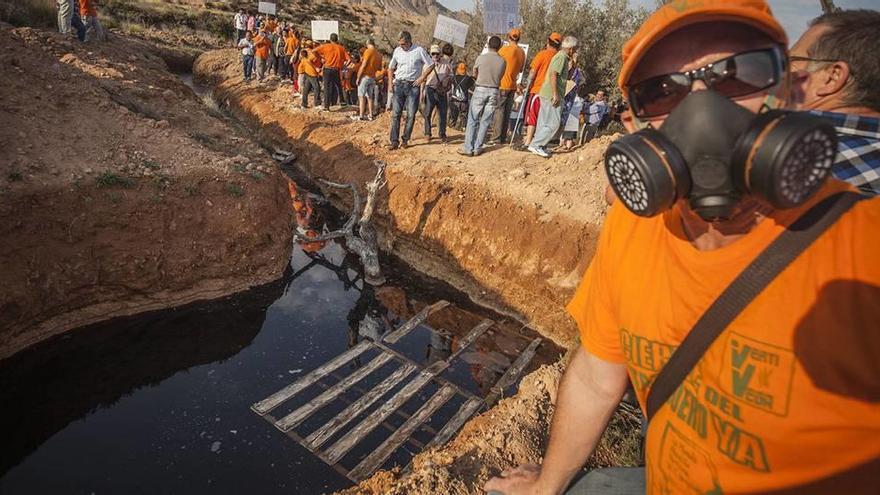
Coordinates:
836	76
628	121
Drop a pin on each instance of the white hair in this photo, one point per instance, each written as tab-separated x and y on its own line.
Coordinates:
569	42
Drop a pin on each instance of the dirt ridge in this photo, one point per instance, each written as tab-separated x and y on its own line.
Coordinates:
120	193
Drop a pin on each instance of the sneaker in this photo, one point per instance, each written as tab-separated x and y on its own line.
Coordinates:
355	117
391	146
368	118
463	152
539	151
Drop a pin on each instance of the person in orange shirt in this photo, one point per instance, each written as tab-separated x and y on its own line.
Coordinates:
367	76
333	57
786	399
270	24
291	47
309	74
262	49
515	58
537	74
94	31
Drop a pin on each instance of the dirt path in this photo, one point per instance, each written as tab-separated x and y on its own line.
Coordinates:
512	230
119	193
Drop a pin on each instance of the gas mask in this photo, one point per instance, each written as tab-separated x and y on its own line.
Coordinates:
712	152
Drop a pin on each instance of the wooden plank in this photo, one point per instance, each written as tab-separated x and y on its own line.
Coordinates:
455	423
298	416
469	339
512	374
377	457
322	434
356	434
289	391
435	369
415	321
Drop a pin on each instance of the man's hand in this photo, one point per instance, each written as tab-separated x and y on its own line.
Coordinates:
520	480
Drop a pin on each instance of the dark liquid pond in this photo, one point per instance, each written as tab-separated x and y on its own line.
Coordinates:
160	403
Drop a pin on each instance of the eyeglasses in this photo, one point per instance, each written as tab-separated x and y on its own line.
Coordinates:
798	58
738	75
435	54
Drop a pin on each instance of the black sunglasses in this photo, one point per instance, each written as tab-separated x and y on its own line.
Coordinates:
738	75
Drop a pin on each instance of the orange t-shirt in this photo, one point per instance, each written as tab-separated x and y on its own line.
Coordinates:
333	54
87	8
306	67
789	393
371	62
515	58
271	25
261	46
540	64
290	45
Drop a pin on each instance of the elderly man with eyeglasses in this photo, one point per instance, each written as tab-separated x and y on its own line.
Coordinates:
837	75
735	287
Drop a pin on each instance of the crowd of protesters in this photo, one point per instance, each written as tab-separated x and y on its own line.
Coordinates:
489	103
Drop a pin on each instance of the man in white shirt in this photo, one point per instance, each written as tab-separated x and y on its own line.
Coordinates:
406	66
240	22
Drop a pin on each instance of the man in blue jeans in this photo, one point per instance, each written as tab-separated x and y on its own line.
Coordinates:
406	66
488	70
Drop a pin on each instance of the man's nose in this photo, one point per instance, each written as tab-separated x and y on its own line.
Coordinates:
699	85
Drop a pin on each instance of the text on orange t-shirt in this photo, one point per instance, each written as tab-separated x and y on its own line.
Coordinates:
788	396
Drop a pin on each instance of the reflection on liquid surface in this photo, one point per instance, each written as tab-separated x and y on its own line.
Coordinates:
160	403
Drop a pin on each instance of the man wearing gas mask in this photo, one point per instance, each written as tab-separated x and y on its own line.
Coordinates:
733	284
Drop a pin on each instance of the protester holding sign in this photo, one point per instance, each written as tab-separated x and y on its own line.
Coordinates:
536	75
515	58
406	65
488	69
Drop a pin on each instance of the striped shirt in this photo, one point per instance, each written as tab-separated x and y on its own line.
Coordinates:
858	154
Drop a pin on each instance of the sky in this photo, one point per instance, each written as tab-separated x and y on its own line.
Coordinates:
792	14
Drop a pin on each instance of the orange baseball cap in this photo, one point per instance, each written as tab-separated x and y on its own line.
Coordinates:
514	34
556	37
676	15
461	69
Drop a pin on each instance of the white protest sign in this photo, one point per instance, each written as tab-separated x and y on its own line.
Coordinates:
524	46
266	8
450	30
321	30
500	16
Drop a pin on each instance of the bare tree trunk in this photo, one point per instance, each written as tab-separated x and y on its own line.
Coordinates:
358	231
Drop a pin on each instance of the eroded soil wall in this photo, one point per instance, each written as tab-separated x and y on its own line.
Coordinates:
120	193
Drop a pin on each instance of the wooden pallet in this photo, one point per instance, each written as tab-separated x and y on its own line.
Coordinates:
414	378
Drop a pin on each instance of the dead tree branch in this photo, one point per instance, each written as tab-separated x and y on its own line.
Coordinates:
358	231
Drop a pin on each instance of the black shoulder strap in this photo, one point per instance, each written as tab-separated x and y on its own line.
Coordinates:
744	288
